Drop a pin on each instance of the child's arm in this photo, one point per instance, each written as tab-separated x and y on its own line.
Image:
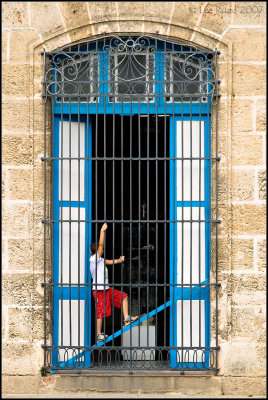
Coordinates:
101	241
117	261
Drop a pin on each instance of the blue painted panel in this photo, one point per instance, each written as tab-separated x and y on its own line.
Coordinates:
71	293
178	293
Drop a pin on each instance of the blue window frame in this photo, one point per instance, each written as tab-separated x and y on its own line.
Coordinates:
189	116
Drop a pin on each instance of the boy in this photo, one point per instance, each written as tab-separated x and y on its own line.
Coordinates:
99	275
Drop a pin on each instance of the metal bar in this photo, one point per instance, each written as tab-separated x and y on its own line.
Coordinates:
44	205
61	224
216	214
70	224
139	224
191	225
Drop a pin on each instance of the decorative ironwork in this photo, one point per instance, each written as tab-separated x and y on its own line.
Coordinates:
130	67
131	147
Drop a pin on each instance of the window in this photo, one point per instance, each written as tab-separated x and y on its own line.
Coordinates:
132	147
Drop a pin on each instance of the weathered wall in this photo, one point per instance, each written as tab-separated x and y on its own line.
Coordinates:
240	36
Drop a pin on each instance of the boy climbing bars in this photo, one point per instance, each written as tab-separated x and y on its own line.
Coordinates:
99	275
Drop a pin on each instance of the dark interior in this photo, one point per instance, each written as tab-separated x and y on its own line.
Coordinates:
130	183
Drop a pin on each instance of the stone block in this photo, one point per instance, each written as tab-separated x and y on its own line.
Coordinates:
262	185
20	254
242	254
100	11
4	185
223	149
46	18
248	219
241	359
14	14
261	116
215	16
186	13
17	220
180	33
26	324
15	116
20	384
38	182
153	11
249	79
20	184
75	14
248	323
131	10
246	387
243	185
247	45
17	289
242	111
81	33
224	253
4	45
243	282
247	149
21	358
245	298
20	41
16	80
23	289
249	13
261	255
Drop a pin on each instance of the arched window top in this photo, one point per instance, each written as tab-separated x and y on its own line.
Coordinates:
130	68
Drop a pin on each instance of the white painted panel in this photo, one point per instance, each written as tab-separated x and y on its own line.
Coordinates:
187	250
197	166
64	266
76	176
139	354
196	313
65	311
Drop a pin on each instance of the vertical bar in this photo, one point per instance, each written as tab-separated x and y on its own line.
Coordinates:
105	201
191	223
87	275
113	213
216	206
45	214
139	235
182	227
70	225
130	236
156	217
165	218
52	216
96	214
174	213
61	223
78	220
122	200
199	225
148	214
208	223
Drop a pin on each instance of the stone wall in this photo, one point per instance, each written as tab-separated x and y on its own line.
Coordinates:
28	27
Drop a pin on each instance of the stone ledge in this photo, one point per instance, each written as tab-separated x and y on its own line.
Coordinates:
59	386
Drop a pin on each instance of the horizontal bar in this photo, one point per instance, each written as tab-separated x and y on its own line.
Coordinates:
131	159
134	285
153	221
119	348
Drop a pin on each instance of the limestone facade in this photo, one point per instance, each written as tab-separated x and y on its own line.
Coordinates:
237	29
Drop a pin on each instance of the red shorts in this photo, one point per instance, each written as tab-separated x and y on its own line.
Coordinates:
111	297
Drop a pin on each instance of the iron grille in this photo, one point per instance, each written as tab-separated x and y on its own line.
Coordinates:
133	144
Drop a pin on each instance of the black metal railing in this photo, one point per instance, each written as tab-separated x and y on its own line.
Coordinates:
132	146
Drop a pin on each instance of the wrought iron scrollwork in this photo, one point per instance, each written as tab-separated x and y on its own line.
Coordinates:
126	66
